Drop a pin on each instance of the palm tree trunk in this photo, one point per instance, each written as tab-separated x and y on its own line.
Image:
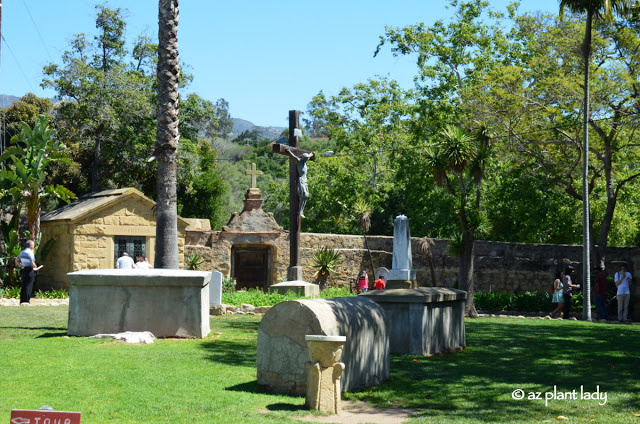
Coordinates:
366	243
586	244
166	254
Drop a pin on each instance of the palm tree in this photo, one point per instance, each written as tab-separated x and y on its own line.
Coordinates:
456	162
167	136
425	247
31	153
598	9
362	211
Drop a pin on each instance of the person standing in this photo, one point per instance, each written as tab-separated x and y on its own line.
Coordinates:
125	262
363	282
379	283
600	293
567	291
623	283
143	263
557	297
27	271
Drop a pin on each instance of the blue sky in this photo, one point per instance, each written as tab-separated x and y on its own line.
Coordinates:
264	57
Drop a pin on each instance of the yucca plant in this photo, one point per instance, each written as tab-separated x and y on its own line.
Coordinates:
425	247
325	261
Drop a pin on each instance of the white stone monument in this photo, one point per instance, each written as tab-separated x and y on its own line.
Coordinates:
402	275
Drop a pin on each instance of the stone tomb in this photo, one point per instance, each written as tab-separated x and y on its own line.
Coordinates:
282	349
168	303
423	321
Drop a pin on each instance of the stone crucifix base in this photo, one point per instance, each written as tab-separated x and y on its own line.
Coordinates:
323	373
296	284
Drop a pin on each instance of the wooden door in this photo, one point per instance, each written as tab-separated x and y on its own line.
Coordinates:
250	267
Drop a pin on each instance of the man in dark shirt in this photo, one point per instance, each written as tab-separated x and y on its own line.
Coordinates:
600	293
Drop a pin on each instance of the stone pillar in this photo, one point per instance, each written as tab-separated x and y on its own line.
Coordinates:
323	372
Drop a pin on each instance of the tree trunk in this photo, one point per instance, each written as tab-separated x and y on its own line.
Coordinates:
97	160
373	270
466	275
166	254
586	243
466	265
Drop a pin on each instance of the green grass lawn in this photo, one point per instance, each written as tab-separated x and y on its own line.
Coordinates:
214	380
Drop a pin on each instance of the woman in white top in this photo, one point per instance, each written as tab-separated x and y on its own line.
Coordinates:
143	263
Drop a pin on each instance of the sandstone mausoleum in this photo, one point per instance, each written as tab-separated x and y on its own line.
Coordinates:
92	232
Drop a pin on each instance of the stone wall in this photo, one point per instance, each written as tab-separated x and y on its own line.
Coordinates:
504	267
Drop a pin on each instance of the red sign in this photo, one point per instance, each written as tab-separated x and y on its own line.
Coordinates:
25	416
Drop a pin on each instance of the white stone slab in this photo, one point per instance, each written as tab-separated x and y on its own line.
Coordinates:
215	288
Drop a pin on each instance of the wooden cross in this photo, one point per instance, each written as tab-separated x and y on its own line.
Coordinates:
295	269
254	173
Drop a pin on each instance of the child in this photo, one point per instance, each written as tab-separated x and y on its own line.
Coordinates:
379	283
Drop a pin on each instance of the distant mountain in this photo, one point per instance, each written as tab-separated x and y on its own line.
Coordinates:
240	125
6	100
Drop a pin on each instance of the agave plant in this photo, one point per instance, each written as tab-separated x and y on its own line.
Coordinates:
325	261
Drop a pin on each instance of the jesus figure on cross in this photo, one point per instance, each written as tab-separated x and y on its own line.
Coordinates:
303	189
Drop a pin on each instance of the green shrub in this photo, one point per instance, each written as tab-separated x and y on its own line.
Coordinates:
492	301
14	293
11	292
527	302
228	285
52	294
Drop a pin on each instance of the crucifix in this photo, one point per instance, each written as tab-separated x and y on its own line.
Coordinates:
298	191
254	173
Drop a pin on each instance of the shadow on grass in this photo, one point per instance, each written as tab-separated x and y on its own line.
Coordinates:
253	387
237	353
53	334
56	331
287	407
503	356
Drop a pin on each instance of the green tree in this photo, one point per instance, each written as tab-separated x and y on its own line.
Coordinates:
106	112
201	188
26	109
203	118
31	153
535	101
167	136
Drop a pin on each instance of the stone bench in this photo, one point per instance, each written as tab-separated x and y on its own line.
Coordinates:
282	350
166	302
423	321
